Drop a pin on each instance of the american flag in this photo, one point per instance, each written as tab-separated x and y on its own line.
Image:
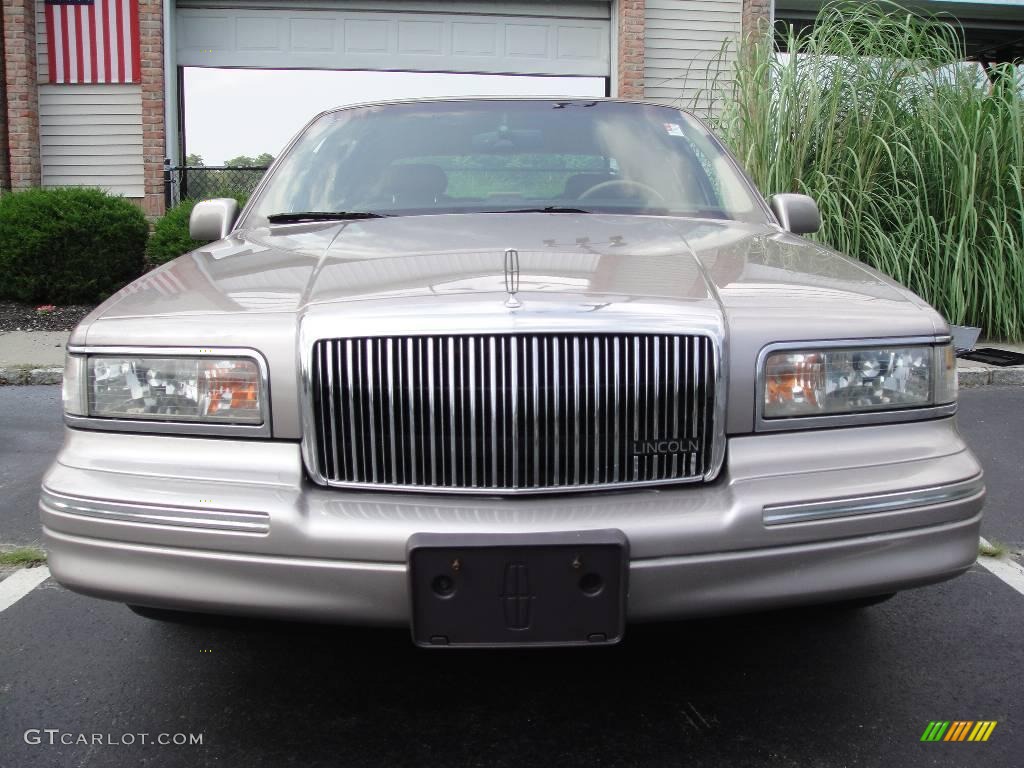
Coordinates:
93	41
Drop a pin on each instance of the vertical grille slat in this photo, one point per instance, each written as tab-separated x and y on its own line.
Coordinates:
512	412
675	399
556	380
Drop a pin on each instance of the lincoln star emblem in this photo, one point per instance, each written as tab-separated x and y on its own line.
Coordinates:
512	277
516	596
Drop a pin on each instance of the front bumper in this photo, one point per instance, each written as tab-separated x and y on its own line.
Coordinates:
234	527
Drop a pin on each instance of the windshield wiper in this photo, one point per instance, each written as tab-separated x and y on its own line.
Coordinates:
546	209
290	218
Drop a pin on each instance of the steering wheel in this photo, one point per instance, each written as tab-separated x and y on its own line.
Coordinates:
650	192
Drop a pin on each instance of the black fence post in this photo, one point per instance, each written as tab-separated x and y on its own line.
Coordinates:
167	183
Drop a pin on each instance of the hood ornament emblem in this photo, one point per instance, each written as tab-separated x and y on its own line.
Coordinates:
512	278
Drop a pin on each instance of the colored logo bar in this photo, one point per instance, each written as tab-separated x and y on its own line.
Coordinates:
959	730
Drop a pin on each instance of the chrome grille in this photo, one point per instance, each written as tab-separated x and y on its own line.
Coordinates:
512	412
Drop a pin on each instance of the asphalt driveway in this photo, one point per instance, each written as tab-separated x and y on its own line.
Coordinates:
801	688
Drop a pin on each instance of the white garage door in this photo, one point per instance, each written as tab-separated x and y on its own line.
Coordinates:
544	38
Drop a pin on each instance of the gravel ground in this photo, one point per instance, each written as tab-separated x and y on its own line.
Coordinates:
24	317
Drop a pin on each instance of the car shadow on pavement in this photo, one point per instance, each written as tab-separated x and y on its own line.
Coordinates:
800	688
664	687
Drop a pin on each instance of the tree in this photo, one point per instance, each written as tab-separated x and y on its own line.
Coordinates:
193	160
244	161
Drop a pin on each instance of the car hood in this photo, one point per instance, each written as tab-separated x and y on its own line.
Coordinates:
597	260
274	289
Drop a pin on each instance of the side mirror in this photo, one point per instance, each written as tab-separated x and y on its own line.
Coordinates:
213	219
796	213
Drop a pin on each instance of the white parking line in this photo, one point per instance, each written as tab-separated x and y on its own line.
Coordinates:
1006	569
20	583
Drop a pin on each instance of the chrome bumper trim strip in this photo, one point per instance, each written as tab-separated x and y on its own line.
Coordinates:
177	517
781	514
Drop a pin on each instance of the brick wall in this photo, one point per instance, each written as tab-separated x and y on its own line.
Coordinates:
151	27
20	92
630	24
757	17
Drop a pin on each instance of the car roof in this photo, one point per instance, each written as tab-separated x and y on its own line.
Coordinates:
456	99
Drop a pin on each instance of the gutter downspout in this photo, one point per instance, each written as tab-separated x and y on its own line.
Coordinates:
613	49
170	85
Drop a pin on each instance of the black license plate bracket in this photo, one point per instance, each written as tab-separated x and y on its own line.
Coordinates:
483	590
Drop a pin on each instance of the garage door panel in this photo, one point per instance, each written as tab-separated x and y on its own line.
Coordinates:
474	38
310	35
257	33
205	33
366	36
444	41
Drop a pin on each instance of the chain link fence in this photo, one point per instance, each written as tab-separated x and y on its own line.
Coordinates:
205	182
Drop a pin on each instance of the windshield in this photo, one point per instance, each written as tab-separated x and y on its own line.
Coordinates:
490	156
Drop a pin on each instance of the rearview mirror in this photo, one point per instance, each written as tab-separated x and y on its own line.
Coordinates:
796	213
212	219
506	140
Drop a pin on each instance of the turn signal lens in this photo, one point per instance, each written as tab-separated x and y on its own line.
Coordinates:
72	392
946	384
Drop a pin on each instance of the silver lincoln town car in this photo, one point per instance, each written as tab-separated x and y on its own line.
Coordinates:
508	371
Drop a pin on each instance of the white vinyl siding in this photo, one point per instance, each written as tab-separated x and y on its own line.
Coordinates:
683	44
91	136
42	63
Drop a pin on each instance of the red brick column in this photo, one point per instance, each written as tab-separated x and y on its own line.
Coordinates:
630	24
21	93
151	40
757	17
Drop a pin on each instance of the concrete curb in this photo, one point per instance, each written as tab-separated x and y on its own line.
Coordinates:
990	377
31	374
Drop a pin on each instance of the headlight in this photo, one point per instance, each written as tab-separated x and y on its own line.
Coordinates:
198	390
824	382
